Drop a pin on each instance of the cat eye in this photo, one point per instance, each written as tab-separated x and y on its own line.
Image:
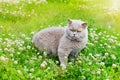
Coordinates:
72	30
78	31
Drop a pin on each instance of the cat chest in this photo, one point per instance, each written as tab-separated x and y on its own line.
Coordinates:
77	45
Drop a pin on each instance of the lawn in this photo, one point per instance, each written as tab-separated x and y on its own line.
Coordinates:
21	19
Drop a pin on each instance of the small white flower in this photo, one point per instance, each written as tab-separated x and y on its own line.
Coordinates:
19	72
90	63
15	62
40	57
20	48
97	55
113	56
43	65
28	47
102	63
45	54
57	62
2	58
48	68
70	63
98	71
18	52
32	33
32	70
30	75
38	78
6	49
80	61
38	53
23	35
114	65
44	62
106	54
108	46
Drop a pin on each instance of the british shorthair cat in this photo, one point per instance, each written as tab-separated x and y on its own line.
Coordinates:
63	42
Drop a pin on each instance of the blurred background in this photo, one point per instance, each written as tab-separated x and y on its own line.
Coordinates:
31	15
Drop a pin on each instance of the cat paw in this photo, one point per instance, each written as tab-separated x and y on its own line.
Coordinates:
63	66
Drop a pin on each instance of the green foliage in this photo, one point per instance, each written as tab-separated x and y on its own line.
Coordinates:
19	60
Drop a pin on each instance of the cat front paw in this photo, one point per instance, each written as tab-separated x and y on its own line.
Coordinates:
63	66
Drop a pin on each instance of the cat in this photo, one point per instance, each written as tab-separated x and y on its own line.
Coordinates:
63	42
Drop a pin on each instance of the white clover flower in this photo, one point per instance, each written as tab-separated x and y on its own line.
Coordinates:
80	62
45	54
38	53
114	65
98	71
70	63
30	75
23	35
108	46
44	62
2	58
18	52
32	33
32	70
28	39
43	65
20	48
106	54
38	78
6	49
25	68
111	40
90	63
28	47
97	55
113	56
19	72
57	62
40	57
102	63
11	50
11	55
48	68
15	62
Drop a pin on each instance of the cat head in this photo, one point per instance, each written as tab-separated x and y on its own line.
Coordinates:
76	29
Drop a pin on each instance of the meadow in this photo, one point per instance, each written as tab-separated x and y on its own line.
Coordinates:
21	19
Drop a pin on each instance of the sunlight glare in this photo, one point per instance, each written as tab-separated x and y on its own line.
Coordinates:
115	4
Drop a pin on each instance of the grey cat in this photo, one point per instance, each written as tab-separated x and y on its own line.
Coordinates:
63	42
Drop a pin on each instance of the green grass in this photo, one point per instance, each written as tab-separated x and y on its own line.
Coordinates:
100	60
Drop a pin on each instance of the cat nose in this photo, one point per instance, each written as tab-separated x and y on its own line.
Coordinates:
74	34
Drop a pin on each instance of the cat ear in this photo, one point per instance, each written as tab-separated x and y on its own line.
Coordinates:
69	21
84	25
